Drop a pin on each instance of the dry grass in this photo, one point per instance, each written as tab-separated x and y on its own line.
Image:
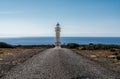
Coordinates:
10	57
103	57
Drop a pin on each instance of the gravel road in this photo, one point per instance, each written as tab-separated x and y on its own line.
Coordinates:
60	63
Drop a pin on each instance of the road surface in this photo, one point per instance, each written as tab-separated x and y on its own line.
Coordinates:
60	63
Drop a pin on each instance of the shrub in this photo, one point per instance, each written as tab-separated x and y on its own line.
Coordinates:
118	57
72	45
5	45
91	44
115	53
112	50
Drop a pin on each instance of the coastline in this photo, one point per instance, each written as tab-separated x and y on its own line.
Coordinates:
64	40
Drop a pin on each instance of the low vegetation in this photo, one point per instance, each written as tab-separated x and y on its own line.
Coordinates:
5	45
106	55
72	45
11	56
118	57
92	46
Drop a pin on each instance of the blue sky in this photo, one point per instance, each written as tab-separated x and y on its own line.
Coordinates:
20	18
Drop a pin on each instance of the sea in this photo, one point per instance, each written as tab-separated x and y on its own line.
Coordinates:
64	40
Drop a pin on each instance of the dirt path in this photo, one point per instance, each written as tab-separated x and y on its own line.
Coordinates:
60	64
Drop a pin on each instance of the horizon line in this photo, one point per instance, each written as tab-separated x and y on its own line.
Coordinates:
54	36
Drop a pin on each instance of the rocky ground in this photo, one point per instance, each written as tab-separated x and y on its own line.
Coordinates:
10	57
60	64
105	58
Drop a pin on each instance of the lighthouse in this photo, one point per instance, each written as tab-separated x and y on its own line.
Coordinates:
57	30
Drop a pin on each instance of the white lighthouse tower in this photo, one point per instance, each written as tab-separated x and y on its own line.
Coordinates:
57	30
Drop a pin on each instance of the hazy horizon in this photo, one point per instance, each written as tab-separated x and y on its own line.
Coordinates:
61	37
78	18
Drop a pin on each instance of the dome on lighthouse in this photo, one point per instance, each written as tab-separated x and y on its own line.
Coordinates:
57	26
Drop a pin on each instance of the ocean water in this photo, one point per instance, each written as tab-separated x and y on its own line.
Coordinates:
64	40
